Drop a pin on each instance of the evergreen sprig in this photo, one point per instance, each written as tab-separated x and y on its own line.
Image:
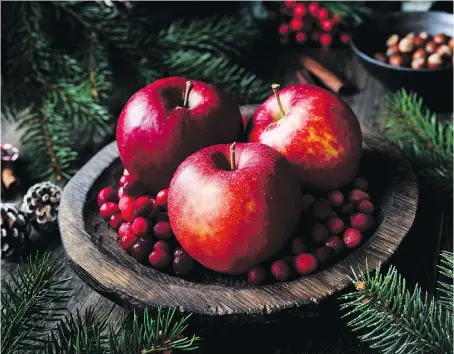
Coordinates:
394	319
31	300
446	290
67	81
427	141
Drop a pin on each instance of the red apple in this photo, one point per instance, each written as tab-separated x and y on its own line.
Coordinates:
231	216
168	120
315	130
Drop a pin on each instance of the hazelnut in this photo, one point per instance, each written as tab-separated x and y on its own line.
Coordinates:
440	38
423	35
392	40
431	47
392	50
410	35
450	43
444	51
406	45
434	61
396	60
418	63
418	41
380	57
419	53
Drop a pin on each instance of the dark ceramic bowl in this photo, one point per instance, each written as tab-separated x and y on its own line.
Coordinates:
435	86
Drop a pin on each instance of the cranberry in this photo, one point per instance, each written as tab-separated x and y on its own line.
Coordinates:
357	195
336	198
124	179
145	206
366	206
362	222
280	270
183	264
178	251
159	259
163	231
256	275
335	242
141	226
134	188
322	208
305	263
127	241
323	254
161	198
352	238
124	229
128	213
335	225
347	208
360	183
163	245
298	245
125	201
307	201
162	216
121	192
108	209
319	233
116	221
140	250
107	195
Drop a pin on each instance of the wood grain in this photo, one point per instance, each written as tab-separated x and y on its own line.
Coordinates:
94	254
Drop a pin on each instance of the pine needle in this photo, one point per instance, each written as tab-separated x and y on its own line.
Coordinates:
31	300
446	290
394	319
427	142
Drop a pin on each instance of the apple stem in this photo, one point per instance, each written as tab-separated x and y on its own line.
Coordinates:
189	86
275	88
232	156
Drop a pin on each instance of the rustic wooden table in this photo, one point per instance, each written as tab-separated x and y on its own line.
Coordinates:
416	258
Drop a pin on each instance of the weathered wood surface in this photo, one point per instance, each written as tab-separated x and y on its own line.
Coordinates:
327	333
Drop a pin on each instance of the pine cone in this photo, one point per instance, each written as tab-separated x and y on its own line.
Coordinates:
40	206
15	230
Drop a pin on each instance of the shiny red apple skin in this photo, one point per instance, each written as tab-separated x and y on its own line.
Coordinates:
231	220
155	133
319	134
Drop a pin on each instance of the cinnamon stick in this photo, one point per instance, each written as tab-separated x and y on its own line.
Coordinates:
304	77
328	78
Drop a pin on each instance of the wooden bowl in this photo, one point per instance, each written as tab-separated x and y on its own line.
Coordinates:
94	254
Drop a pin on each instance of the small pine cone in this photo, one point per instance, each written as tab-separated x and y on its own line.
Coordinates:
15	230
40	206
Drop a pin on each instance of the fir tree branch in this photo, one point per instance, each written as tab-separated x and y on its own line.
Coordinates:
447	289
149	335
220	35
427	142
347	10
219	71
395	320
79	334
31	300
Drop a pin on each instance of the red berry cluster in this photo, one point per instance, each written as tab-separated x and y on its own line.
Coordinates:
142	224
330	223
303	21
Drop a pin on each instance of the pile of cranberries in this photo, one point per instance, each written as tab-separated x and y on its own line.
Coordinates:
142	224
330	223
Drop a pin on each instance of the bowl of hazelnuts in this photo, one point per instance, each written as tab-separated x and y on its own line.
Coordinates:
413	50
